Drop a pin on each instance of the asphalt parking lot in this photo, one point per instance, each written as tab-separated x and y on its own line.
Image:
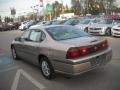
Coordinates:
20	75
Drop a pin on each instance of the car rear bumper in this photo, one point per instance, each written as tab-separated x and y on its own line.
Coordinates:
85	64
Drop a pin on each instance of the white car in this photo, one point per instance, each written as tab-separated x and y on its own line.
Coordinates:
41	23
22	26
101	28
116	30
85	23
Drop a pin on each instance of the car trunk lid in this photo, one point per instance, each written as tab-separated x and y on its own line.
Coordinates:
81	41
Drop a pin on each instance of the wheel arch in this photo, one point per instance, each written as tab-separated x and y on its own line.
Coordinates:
11	46
41	56
108	28
86	29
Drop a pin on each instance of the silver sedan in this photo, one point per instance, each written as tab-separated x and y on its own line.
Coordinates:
63	49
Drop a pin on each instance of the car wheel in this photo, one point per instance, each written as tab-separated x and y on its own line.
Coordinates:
86	30
14	54
108	32
47	68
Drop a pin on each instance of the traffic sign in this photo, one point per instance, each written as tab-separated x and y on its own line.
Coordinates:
49	8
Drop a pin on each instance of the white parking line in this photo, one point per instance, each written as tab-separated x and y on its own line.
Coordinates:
25	74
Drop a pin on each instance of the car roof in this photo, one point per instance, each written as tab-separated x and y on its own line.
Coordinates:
49	26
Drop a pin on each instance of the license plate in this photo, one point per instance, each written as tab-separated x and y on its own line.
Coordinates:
96	61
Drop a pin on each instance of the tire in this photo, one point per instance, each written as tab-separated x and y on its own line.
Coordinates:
46	68
14	54
108	32
86	30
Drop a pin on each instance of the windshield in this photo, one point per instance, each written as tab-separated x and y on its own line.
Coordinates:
65	32
117	21
72	22
105	22
84	21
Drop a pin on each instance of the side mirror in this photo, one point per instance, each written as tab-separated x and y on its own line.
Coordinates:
18	39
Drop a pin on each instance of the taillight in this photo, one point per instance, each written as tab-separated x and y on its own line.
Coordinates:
73	53
104	44
77	52
84	51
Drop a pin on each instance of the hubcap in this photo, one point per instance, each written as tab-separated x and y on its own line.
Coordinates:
45	68
14	53
108	32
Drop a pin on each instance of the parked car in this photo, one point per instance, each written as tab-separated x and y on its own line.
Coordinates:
30	23
11	26
1	27
63	49
40	23
16	24
22	26
58	22
101	28
116	30
73	21
85	23
5	26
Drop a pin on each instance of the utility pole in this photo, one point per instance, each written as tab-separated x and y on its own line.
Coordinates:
62	8
87	7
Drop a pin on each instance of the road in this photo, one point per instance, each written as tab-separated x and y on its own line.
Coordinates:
21	75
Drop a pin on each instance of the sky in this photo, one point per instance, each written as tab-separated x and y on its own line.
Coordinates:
23	6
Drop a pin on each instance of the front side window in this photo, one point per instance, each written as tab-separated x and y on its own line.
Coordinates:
25	34
35	36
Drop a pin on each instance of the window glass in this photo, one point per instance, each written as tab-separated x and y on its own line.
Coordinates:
71	21
65	32
35	36
25	34
105	21
85	22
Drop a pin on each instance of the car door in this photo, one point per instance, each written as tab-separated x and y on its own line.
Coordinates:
32	46
20	48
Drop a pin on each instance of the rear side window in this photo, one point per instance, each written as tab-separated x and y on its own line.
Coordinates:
35	36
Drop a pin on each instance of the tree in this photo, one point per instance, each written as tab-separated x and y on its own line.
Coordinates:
94	6
102	7
76	7
57	8
22	18
8	19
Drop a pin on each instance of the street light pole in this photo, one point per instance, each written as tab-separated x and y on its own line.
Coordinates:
62	8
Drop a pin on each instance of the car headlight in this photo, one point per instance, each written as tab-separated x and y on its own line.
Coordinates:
103	29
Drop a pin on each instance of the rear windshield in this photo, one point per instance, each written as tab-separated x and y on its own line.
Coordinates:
65	32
